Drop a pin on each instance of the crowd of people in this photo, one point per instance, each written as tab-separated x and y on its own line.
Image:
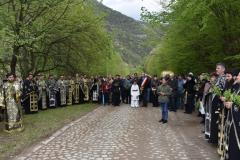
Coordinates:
208	92
216	95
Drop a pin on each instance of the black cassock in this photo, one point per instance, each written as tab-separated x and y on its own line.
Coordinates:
208	114
145	87
81	93
234	135
232	131
212	103
216	105
154	85
29	97
215	111
116	92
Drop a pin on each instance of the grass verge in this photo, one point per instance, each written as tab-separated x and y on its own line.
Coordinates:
39	126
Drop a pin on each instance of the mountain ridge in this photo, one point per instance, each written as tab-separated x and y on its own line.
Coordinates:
128	35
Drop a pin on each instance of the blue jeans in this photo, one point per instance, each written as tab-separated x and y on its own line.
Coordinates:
180	101
164	107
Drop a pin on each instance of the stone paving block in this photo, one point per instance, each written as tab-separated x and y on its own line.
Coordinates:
121	133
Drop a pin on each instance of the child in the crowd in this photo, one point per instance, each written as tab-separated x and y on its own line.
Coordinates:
135	92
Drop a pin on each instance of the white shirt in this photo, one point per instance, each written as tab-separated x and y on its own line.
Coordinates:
135	90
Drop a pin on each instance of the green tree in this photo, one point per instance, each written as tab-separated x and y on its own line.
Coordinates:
197	35
64	36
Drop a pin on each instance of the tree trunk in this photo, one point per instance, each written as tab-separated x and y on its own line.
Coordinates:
14	61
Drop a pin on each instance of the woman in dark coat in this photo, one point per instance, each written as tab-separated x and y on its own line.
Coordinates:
189	88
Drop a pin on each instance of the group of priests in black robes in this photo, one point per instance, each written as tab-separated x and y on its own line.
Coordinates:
222	121
40	94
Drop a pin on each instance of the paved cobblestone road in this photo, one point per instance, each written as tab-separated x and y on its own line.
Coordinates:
126	133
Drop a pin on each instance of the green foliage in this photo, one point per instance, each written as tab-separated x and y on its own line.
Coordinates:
228	96
236	100
232	97
117	66
197	35
63	36
217	91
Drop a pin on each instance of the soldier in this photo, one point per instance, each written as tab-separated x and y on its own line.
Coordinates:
30	95
11	96
42	93
62	91
52	92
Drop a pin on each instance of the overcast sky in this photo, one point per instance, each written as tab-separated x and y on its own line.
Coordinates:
132	8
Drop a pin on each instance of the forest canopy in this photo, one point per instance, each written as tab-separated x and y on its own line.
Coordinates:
197	35
60	36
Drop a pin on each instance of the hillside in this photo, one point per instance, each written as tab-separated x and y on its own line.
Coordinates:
128	35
